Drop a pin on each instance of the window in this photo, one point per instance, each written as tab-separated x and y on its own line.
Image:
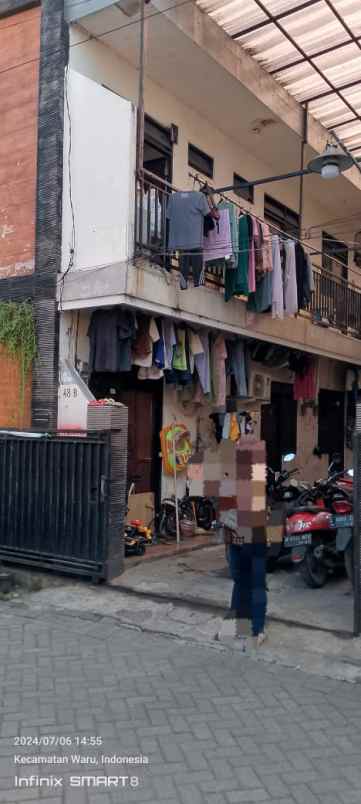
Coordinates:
332	250
281	217
200	161
243	192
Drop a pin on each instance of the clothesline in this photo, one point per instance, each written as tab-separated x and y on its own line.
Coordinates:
243	209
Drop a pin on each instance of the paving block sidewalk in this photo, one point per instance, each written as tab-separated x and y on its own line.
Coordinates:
217	728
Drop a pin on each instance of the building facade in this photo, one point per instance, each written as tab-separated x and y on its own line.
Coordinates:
94	235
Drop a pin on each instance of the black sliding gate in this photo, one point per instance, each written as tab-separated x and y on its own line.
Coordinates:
54	501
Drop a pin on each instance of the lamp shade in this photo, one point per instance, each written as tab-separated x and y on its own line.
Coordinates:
332	158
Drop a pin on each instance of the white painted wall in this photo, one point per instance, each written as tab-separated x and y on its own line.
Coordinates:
101	166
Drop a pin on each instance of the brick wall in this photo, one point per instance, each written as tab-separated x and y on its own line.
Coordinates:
19	91
12	413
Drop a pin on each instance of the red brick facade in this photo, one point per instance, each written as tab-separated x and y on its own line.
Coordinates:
13	412
19	90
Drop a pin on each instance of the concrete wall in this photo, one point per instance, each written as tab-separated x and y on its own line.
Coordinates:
98	204
19	90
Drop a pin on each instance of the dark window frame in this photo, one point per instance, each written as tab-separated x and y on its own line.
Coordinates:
281	216
334	249
200	161
247	193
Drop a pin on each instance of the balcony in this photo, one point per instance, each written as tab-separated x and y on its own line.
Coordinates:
335	302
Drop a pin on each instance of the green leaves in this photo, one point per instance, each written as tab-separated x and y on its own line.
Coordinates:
18	336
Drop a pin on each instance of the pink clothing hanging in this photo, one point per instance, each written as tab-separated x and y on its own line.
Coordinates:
277	284
218	243
252	259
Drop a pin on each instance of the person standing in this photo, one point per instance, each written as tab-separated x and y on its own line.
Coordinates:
245	533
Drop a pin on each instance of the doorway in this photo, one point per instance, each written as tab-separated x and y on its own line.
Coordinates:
331	423
279	424
144	400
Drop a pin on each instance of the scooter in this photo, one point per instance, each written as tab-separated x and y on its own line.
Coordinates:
282	490
319	530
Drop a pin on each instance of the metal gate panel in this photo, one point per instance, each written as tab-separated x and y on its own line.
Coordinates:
54	504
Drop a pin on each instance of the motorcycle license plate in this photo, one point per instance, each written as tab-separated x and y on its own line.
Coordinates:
342	521
298	539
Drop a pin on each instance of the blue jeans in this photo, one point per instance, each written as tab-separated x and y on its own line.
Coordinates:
247	565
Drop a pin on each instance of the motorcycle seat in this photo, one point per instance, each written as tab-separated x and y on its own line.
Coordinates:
306	509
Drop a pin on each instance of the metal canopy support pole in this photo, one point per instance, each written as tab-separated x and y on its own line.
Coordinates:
303	148
139	160
357	524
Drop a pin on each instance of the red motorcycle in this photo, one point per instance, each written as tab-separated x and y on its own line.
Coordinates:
319	530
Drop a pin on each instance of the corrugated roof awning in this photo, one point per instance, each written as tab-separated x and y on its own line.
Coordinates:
312	48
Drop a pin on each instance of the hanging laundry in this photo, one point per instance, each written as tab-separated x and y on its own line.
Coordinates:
170	341
237	365
261	300
186	212
195	348
305	385
151	373
111	334
290	280
251	258
234	431
202	363
192	261
302	270
208	224
180	356
152	215
218	421
218	243
147	335
231	264
159	349
267	259
258	246
277	287
236	282
218	368
226	427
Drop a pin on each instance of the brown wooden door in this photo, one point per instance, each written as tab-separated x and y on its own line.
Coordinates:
140	406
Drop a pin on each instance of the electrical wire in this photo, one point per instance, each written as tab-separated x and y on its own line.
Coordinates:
73	236
94	37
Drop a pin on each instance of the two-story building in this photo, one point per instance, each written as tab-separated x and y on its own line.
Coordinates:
230	96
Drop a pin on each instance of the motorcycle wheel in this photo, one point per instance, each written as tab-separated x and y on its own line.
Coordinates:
170	524
205	514
349	563
313	572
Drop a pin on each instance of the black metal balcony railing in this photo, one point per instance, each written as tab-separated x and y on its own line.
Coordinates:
334	303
